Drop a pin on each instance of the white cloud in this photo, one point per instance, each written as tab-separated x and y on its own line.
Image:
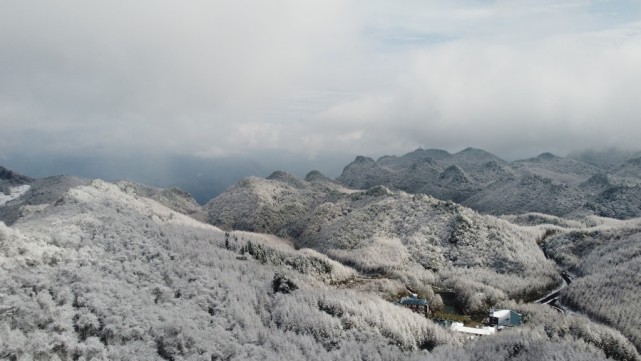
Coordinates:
215	78
153	71
557	93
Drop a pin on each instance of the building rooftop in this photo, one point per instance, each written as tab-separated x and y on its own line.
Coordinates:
505	318
414	301
458	326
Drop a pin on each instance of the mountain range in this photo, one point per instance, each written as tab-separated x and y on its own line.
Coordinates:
561	186
289	268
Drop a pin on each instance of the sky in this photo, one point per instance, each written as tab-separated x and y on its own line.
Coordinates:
316	78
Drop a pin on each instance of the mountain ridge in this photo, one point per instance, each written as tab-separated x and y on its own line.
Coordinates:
487	183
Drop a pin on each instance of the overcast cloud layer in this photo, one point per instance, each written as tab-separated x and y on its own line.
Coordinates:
317	77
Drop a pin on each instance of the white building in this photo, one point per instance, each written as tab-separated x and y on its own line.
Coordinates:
504	318
485	331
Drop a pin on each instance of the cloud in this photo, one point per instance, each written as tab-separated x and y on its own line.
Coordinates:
218	78
157	75
559	93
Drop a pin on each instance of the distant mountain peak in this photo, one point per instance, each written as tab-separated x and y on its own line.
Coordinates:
430	151
386	157
420	153
360	159
475	153
13	177
547	156
279	174
285	177
316	176
472	150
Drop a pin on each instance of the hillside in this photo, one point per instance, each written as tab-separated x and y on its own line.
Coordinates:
562	186
630	171
415	239
559	169
36	195
528	193
107	273
606	260
26	195
392	233
104	272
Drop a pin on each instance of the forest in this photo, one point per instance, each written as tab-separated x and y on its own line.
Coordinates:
105	272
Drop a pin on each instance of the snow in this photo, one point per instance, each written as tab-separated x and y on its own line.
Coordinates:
458	326
14	193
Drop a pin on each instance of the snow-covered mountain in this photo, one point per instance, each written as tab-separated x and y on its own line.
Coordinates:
106	272
380	232
122	271
10	178
37	194
12	185
482	181
392	233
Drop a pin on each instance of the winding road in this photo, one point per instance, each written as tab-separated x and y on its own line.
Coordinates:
552	298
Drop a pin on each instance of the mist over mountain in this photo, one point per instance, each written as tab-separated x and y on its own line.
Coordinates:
605	159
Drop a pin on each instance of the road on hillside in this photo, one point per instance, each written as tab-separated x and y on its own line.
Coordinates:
552	298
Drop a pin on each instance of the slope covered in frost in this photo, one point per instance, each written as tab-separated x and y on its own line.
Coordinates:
124	271
416	238
607	262
106	273
423	243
